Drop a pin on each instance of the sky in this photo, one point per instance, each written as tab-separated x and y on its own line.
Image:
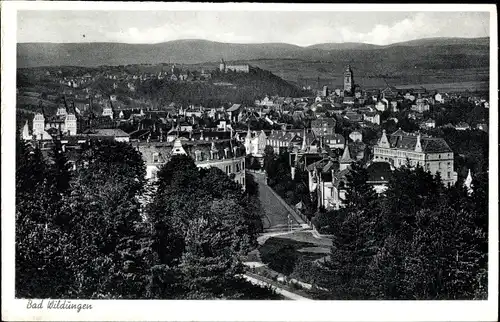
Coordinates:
299	28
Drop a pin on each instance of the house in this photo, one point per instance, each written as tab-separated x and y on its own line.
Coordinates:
283	140
353	117
372	117
334	141
421	105
429	124
323	126
233	112
381	106
329	181
439	98
389	92
433	154
255	143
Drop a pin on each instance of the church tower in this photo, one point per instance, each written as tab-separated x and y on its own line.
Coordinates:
345	161
348	80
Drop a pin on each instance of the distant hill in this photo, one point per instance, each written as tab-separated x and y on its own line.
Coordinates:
344	46
443	41
469	51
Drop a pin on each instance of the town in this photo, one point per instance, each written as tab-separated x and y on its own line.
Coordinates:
297	154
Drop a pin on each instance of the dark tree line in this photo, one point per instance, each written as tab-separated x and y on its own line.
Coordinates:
419	240
81	233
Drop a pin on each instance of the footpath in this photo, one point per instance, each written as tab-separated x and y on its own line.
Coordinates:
261	281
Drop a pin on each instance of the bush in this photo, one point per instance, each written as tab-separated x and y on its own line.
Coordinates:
281	258
323	222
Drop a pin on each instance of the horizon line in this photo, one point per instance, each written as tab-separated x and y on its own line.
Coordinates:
244	43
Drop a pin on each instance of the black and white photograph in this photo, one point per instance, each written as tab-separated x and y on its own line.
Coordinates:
315	153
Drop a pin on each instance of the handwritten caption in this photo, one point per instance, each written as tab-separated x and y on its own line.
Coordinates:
57	305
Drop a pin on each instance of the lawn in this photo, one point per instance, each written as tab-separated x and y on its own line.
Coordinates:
282	254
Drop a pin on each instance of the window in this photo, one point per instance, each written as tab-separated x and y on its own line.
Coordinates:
198	155
156	157
449	175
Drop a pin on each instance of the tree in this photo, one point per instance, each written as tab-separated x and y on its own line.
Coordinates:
269	163
352	250
209	263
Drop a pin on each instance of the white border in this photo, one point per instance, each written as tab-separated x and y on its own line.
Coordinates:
235	310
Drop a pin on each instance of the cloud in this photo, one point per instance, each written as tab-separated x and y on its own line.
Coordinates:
420	26
302	29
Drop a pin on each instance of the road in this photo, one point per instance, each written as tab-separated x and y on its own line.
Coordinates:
276	216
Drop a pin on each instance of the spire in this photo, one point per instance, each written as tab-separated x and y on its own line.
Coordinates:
346	156
384	142
177	148
468	182
26	132
418	145
304	145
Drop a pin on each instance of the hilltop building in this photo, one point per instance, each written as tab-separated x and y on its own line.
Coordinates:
223	67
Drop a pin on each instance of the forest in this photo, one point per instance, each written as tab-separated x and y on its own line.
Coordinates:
240	88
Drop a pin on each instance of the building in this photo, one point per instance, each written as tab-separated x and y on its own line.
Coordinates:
421	105
334	141
348	80
433	154
372	117
65	123
227	155
283	140
429	124
117	135
223	67
255	143
439	98
328	179
323	126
